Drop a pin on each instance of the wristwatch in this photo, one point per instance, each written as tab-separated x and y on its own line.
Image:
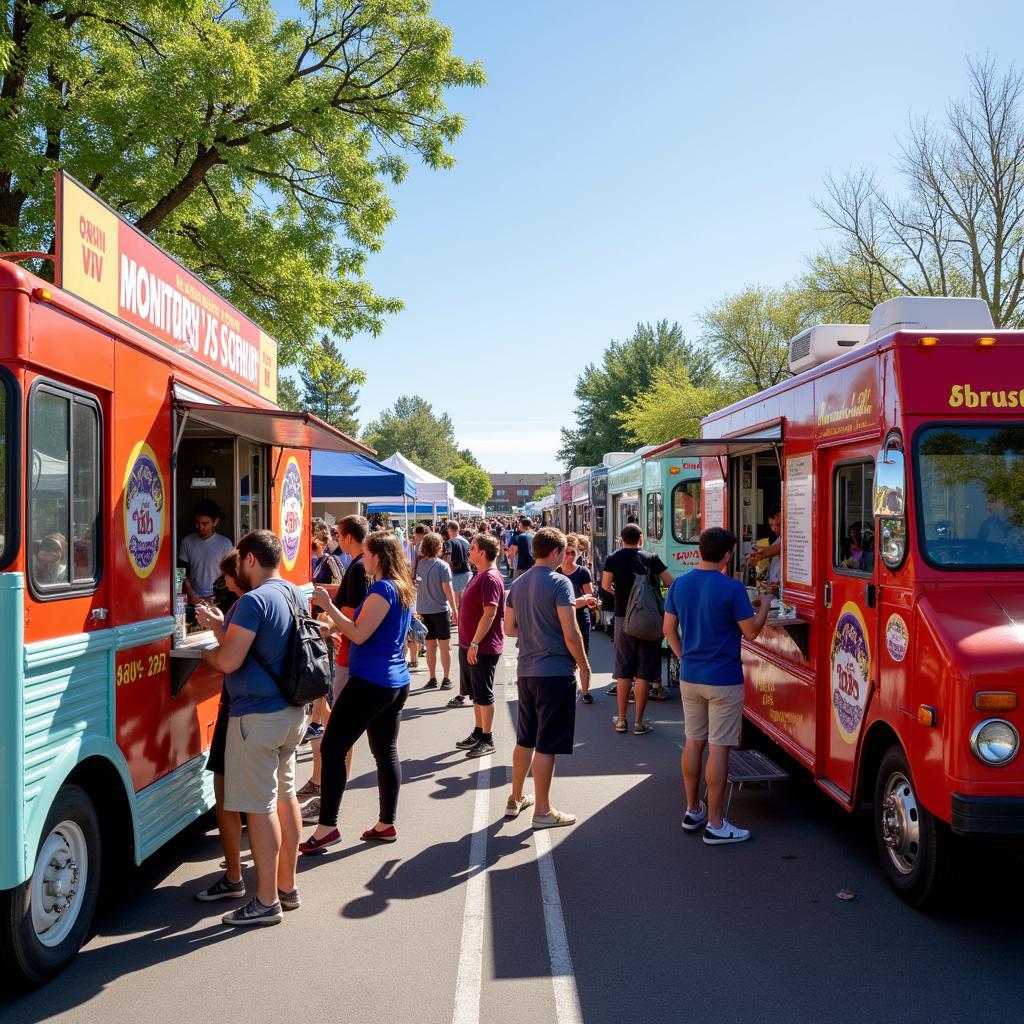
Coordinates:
473	643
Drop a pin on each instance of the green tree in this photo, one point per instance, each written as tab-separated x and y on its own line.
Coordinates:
543	492
410	427
956	227
330	386
289	396
243	143
471	483
626	371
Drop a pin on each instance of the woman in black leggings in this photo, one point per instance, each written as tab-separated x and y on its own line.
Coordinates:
375	694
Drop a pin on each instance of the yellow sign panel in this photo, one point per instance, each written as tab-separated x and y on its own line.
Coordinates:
268	367
90	247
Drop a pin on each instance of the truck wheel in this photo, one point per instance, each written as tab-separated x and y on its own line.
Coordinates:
44	921
912	844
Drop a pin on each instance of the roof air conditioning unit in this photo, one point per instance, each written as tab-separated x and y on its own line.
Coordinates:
614	458
928	313
823	342
578	471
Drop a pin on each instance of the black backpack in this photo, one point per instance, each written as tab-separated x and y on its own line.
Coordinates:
308	669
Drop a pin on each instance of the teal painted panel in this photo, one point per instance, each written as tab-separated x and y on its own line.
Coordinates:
12	678
174	802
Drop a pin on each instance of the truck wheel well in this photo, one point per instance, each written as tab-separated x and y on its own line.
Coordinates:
100	779
878	740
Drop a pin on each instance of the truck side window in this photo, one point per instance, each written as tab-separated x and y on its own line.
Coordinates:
686	512
655	515
853	546
64	491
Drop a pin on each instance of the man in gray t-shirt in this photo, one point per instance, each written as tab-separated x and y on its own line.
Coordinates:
541	612
202	552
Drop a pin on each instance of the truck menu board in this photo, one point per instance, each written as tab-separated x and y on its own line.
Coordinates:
106	261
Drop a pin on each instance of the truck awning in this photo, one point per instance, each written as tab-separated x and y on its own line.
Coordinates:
273	426
709	447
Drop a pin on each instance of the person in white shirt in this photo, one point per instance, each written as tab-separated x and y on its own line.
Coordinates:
202	552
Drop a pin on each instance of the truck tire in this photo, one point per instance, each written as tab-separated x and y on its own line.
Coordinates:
914	847
45	920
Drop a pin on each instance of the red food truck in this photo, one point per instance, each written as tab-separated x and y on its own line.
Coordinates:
893	663
129	390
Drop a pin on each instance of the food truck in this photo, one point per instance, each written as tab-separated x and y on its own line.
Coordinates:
671	521
129	390
892	667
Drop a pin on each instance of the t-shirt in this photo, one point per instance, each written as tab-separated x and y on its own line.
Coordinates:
380	658
431	575
535	597
266	612
579	578
326	571
485	588
625	565
524	545
355	585
709	605
458	553
203	558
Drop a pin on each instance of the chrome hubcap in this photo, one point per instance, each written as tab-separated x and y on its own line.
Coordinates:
57	882
901	823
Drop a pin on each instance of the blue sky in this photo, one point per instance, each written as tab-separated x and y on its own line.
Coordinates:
633	162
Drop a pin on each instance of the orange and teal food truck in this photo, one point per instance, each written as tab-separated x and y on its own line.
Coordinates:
129	390
893	665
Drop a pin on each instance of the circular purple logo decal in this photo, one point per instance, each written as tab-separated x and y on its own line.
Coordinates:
850	660
143	510
291	513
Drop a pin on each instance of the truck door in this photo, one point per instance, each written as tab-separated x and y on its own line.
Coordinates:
850	657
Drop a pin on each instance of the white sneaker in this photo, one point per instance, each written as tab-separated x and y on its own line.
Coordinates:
728	833
692	820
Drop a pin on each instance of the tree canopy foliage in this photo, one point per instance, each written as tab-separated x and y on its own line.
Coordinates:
245	144
330	387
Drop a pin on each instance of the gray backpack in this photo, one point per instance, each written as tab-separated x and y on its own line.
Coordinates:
645	611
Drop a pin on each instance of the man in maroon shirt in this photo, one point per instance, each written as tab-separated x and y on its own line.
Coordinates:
481	639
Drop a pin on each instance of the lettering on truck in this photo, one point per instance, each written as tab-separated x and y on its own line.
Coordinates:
963	395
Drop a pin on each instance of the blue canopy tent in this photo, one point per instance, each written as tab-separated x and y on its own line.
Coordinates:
348	476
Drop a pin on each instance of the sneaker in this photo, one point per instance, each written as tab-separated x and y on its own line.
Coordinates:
513	807
311	788
481	748
553	819
613	690
728	833
254	913
311	813
469	742
458	701
446	683
289	900
657	694
313	732
588	698
642	728
430	684
222	889
311	847
620	725
692	820
384	835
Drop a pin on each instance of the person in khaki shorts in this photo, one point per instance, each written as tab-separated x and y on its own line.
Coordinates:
706	614
263	730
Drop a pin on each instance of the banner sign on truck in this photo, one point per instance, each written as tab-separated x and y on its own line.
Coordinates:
106	261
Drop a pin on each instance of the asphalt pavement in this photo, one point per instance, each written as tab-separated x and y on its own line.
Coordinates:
472	919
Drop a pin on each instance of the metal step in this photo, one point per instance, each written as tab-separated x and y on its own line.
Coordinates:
753	766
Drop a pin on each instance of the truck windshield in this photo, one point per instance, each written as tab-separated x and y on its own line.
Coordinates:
972	496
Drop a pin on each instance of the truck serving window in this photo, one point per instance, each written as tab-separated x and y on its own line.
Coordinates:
971	496
686	512
853	546
64	492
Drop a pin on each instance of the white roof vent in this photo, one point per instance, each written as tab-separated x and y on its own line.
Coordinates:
578	471
614	458
823	342
929	313
644	449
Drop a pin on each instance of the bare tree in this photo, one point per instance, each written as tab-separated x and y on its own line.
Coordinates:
957	229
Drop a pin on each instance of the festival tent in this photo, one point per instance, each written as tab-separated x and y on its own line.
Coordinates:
348	476
463	508
431	491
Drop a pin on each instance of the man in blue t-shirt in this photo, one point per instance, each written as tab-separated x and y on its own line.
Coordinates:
263	728
522	544
711	612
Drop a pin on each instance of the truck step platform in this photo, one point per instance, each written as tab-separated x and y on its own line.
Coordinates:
751	766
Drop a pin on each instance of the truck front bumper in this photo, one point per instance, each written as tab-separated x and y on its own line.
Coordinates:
987	815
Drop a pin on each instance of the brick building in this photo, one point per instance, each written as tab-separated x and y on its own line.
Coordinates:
511	490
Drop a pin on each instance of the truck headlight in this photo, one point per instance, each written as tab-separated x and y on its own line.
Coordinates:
994	741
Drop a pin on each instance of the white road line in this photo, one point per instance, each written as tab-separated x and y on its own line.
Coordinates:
471	954
563	978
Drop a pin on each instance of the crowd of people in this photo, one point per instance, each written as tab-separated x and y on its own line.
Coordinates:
385	603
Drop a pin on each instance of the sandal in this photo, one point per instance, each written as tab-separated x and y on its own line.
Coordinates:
309	789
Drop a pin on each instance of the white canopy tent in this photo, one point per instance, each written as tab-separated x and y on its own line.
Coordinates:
430	490
463	508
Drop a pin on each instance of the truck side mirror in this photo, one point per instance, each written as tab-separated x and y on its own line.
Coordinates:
890	501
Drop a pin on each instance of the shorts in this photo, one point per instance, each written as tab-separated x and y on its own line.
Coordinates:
635	659
340	679
439	625
547	713
215	758
713	713
259	760
460	581
477	681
